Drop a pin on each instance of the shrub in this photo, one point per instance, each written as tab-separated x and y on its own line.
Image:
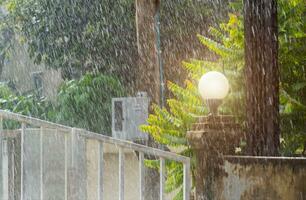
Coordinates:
86	103
30	105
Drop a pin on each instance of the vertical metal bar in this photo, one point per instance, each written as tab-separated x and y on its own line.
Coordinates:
141	176
121	173
186	183
73	189
11	169
41	164
1	160
5	170
66	166
73	135
100	172
23	127
161	178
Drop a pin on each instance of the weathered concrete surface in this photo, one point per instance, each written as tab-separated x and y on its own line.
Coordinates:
219	177
254	178
209	138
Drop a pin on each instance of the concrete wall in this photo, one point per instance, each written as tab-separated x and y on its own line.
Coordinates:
254	178
111	173
18	68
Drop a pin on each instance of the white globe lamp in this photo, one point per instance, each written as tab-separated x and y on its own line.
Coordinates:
213	87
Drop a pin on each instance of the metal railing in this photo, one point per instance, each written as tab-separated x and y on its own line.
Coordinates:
70	137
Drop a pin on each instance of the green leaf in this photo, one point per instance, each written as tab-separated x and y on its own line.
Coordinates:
299	86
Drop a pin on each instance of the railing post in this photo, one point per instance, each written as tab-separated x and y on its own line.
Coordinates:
121	173
41	164
141	176
23	127
66	166
1	160
10	169
5	170
100	171
186	181
161	178
72	192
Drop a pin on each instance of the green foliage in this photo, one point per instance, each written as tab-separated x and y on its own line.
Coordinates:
86	103
292	39
5	91
293	133
76	34
29	105
169	126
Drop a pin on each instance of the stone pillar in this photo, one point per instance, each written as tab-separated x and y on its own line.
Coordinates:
211	138
147	74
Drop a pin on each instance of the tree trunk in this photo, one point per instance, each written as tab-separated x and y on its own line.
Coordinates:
147	74
262	76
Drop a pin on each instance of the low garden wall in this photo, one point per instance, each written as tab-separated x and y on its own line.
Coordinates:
261	178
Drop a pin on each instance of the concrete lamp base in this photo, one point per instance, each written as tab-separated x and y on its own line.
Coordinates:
210	138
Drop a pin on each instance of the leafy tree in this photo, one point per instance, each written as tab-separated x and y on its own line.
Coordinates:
292	40
86	103
76	35
5	38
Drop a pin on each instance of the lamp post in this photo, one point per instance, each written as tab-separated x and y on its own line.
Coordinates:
212	136
213	87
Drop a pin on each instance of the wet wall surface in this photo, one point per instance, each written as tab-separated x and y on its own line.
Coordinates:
259	178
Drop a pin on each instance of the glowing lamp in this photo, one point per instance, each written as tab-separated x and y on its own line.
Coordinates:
213	87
